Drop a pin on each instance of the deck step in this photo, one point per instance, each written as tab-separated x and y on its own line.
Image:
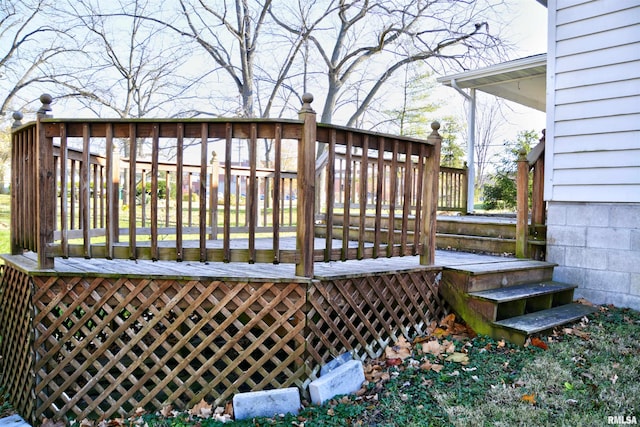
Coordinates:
546	319
497	275
527	290
480	244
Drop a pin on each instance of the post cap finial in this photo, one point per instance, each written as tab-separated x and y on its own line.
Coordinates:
522	155
435	125
307	99
46	101
17	119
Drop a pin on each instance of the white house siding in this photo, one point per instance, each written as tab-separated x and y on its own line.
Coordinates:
593	147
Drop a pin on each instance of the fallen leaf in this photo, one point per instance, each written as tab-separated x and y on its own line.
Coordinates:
529	398
50	423
441	333
448	321
501	343
400	350
449	347
201	409
437	368
394	362
537	342
228	408
331	412
614	378
458	358
585	302
432	347
166	410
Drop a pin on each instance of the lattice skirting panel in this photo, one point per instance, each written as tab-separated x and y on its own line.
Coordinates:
363	314
79	346
16	339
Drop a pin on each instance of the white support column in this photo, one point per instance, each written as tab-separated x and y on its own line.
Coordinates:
471	172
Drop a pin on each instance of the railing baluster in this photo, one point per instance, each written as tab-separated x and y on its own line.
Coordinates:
85	190
132	190
379	197
202	214
252	193
155	148
346	214
406	208
226	244
167	198
277	176
179	189
331	193
113	179
419	192
393	188
64	225
364	169
143	197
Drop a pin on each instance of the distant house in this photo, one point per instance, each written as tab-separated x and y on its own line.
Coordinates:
592	157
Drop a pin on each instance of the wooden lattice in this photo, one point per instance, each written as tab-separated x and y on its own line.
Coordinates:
362	314
80	346
16	339
116	344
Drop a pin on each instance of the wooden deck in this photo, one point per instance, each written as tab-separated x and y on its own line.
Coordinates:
242	271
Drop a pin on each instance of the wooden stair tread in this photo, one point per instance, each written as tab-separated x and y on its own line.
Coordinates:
510	264
472	237
546	319
513	293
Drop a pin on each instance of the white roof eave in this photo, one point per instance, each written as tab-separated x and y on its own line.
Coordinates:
522	80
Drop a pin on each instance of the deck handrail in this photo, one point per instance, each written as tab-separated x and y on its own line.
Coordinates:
81	210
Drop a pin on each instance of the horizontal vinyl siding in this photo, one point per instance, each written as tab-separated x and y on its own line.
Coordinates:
598	41
608	141
572	11
598	193
591	109
596	115
617	176
598	159
609	90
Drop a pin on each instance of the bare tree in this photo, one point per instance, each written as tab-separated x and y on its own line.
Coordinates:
30	43
377	38
130	68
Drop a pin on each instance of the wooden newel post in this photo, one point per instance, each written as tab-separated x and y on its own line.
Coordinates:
430	197
45	188
306	189
522	205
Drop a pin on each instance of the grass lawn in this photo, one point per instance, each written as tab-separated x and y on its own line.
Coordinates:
5	221
589	371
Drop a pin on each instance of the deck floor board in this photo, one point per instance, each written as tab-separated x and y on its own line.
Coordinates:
243	271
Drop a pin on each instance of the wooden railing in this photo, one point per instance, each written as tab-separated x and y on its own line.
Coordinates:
169	196
531	229
452	182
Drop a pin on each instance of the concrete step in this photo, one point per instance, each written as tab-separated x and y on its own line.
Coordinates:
546	319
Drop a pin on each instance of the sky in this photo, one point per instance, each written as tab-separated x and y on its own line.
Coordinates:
528	35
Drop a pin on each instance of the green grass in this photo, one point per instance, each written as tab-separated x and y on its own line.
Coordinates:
582	379
5	221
